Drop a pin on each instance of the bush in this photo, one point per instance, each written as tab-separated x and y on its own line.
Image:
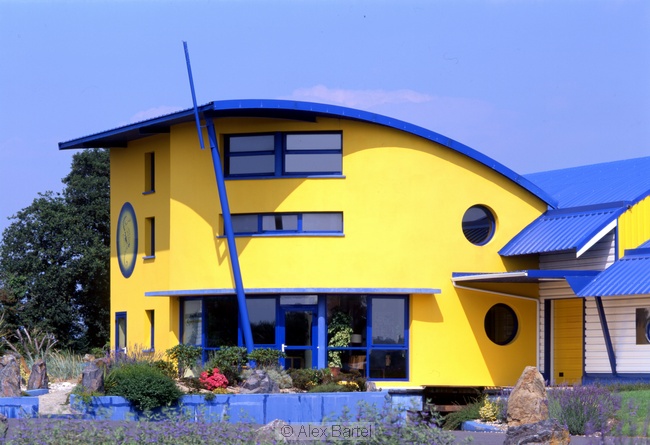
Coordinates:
165	367
306	379
230	360
453	421
334	387
281	377
266	357
214	379
185	357
584	409
142	384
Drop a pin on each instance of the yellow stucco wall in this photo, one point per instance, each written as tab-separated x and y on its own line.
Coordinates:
634	226
403	199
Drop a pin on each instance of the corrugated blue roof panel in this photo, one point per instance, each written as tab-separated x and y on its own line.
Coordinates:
645	245
628	276
627	180
561	230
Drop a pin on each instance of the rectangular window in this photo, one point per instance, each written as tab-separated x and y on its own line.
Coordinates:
120	331
261	312
378	346
220	322
192	324
149	173
150	238
288	223
149	336
284	154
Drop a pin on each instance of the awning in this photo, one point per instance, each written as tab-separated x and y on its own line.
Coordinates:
577	279
575	229
629	275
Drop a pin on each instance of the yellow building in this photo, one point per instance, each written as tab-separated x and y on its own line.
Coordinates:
332	210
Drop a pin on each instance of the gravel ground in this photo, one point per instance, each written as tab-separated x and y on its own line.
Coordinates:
56	401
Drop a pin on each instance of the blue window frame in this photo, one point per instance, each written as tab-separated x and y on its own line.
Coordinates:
283	154
307	223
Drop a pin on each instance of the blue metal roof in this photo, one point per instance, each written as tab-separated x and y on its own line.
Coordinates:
577	279
627	180
628	276
560	230
284	109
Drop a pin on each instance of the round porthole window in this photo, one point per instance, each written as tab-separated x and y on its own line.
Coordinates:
478	225
501	324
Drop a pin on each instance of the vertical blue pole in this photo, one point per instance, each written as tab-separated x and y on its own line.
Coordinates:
230	237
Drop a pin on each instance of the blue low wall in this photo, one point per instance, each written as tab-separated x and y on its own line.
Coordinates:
19	407
255	408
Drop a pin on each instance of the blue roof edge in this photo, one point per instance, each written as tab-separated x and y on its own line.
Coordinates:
327	110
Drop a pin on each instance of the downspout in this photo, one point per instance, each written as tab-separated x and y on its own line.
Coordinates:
606	336
230	236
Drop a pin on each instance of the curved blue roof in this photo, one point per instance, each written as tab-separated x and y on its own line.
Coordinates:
296	110
625	181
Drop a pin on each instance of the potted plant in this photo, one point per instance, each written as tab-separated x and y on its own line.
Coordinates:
339	330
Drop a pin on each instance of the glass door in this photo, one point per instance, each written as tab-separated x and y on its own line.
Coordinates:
299	336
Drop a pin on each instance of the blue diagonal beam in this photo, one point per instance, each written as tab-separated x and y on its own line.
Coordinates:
230	237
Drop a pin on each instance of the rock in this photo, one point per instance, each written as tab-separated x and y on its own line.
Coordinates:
546	432
272	432
38	377
4	426
92	378
88	358
528	402
371	386
259	383
9	377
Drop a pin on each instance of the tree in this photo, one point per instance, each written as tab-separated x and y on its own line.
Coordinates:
54	257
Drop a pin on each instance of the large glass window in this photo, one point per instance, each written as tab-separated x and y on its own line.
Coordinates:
383	320
192	322
221	321
288	223
283	154
262	316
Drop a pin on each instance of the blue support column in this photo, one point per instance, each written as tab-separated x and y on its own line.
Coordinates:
606	336
321	359
230	237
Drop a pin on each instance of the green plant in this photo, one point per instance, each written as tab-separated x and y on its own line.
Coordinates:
332	387
165	367
489	411
34	346
185	356
64	365
142	384
339	330
281	377
230	360
266	357
306	379
453	421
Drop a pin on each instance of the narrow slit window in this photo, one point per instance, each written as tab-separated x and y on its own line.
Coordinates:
150	237
150	321
149	172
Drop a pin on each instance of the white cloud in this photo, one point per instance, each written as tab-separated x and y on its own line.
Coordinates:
357	98
152	112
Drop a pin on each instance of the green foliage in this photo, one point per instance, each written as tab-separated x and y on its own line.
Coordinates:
453	421
142	384
185	357
339	331
332	387
306	379
230	360
266	357
33	346
281	377
55	256
166	368
64	365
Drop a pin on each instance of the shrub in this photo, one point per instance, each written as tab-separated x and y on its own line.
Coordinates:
64	365
453	421
489	411
230	360
266	357
214	379
584	409
143	385
333	387
281	377
166	368
306	379
185	357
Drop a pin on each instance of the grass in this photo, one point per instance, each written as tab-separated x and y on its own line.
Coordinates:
634	414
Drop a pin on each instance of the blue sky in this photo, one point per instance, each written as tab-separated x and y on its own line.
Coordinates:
536	85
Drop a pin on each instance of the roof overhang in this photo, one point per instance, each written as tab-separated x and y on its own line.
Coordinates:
577	279
293	291
628	276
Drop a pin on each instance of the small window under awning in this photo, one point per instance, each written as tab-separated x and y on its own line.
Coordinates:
577	279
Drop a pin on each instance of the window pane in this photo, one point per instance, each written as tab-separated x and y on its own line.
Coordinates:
322	222
245	223
192	323
478	225
388	364
297	325
356	307
239	144
501	324
387	321
251	165
313	142
261	313
309	163
272	223
221	320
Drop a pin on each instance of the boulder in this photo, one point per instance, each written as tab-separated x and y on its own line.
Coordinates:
9	377
528	402
259	383
4	426
38	377
546	432
274	432
92	378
